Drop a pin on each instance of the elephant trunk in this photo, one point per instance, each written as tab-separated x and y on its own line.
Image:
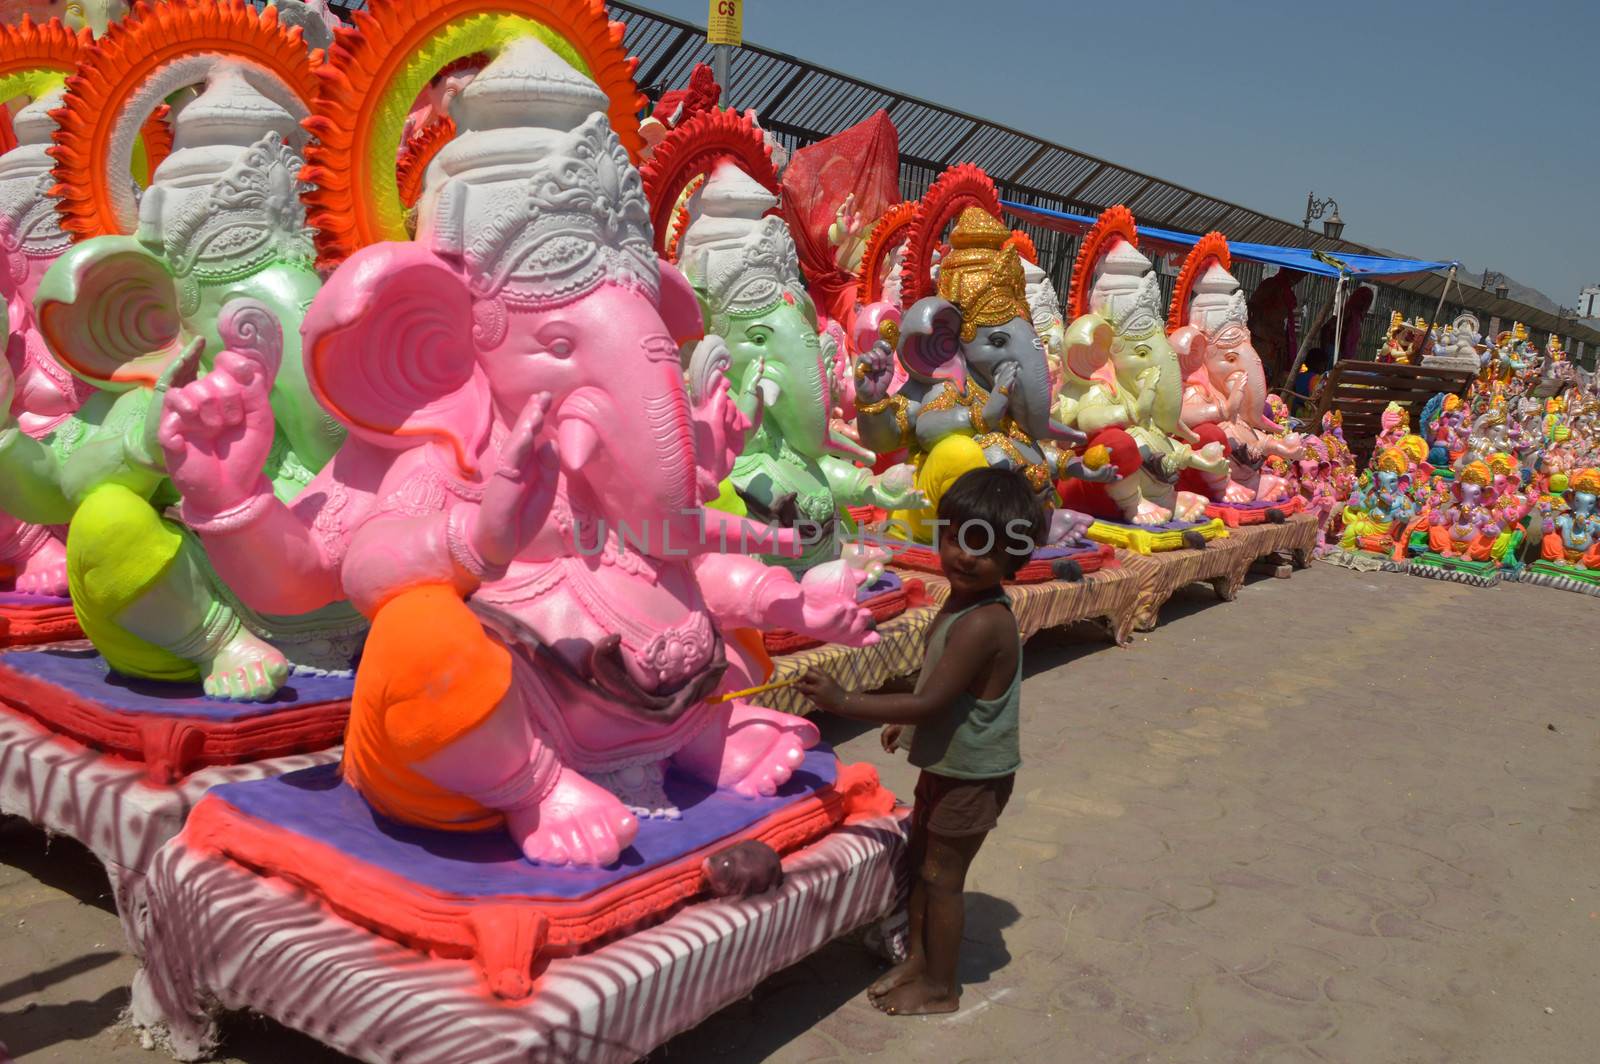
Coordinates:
1169	397
1030	403
1255	392
631	448
672	463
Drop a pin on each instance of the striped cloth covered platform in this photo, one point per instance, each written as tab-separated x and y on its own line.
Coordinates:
107	803
897	653
225	937
1110	595
1222	564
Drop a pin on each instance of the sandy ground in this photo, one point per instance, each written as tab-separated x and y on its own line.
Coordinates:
1350	817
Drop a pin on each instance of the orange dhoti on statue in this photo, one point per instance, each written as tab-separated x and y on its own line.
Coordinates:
1477	549
1554	550
429	674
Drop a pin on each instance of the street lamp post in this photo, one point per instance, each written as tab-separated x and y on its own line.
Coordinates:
1497	281
1333	226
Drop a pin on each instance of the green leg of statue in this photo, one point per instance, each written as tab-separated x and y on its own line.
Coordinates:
140	593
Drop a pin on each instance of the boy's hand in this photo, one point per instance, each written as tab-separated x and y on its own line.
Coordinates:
821	689
890	737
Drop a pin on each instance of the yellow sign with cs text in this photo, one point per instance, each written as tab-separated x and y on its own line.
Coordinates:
725	24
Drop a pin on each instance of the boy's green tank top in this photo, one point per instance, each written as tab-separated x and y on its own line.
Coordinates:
978	738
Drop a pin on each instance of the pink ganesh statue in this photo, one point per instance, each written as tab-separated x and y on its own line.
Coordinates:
518	507
1225	386
42	394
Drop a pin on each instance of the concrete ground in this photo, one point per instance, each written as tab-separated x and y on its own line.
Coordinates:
1349	817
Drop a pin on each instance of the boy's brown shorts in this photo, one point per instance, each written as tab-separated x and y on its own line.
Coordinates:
954	808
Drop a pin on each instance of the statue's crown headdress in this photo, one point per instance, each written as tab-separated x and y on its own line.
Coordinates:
580	217
742	259
1206	295
1476	472
981	275
1392	460
1586	481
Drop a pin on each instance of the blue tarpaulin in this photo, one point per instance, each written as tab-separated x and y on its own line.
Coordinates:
1303	259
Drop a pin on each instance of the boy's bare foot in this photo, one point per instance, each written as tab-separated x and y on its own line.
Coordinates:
917	998
896	977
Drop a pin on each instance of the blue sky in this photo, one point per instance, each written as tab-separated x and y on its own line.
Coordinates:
1448	130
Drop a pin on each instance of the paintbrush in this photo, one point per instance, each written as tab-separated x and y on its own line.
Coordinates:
748	691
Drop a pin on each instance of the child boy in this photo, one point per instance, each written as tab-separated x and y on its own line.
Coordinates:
964	710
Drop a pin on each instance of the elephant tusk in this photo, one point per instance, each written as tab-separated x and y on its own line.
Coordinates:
577	442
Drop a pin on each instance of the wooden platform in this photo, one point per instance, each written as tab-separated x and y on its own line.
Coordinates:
1222	564
1109	596
1361	390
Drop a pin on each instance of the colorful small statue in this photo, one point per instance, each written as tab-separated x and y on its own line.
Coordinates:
1376	515
1443	424
1405	343
1395	423
1465	528
1573	535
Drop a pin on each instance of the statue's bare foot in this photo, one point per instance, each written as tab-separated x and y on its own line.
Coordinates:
1190	507
1148	513
1237	492
246	669
918	998
750	749
897	977
44	572
577	823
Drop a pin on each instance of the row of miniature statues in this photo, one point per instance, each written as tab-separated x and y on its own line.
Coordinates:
1504	477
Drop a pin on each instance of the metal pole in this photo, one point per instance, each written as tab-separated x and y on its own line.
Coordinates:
1338	320
720	56
1448	281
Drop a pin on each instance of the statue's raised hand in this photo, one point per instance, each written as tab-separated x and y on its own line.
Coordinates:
1005	378
518	497
874	372
215	432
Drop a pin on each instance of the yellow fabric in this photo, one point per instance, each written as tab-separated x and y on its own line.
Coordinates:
429	674
1142	540
118	547
1358	523
941	467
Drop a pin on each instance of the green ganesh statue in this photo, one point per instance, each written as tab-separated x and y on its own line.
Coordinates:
741	260
219	264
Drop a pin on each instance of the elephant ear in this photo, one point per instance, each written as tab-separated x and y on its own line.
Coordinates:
1190	344
390	348
874	322
680	305
1088	347
108	311
930	341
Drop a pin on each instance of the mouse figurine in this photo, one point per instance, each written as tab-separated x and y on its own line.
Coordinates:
745	868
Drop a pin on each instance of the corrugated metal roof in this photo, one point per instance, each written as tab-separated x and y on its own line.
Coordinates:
803	102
